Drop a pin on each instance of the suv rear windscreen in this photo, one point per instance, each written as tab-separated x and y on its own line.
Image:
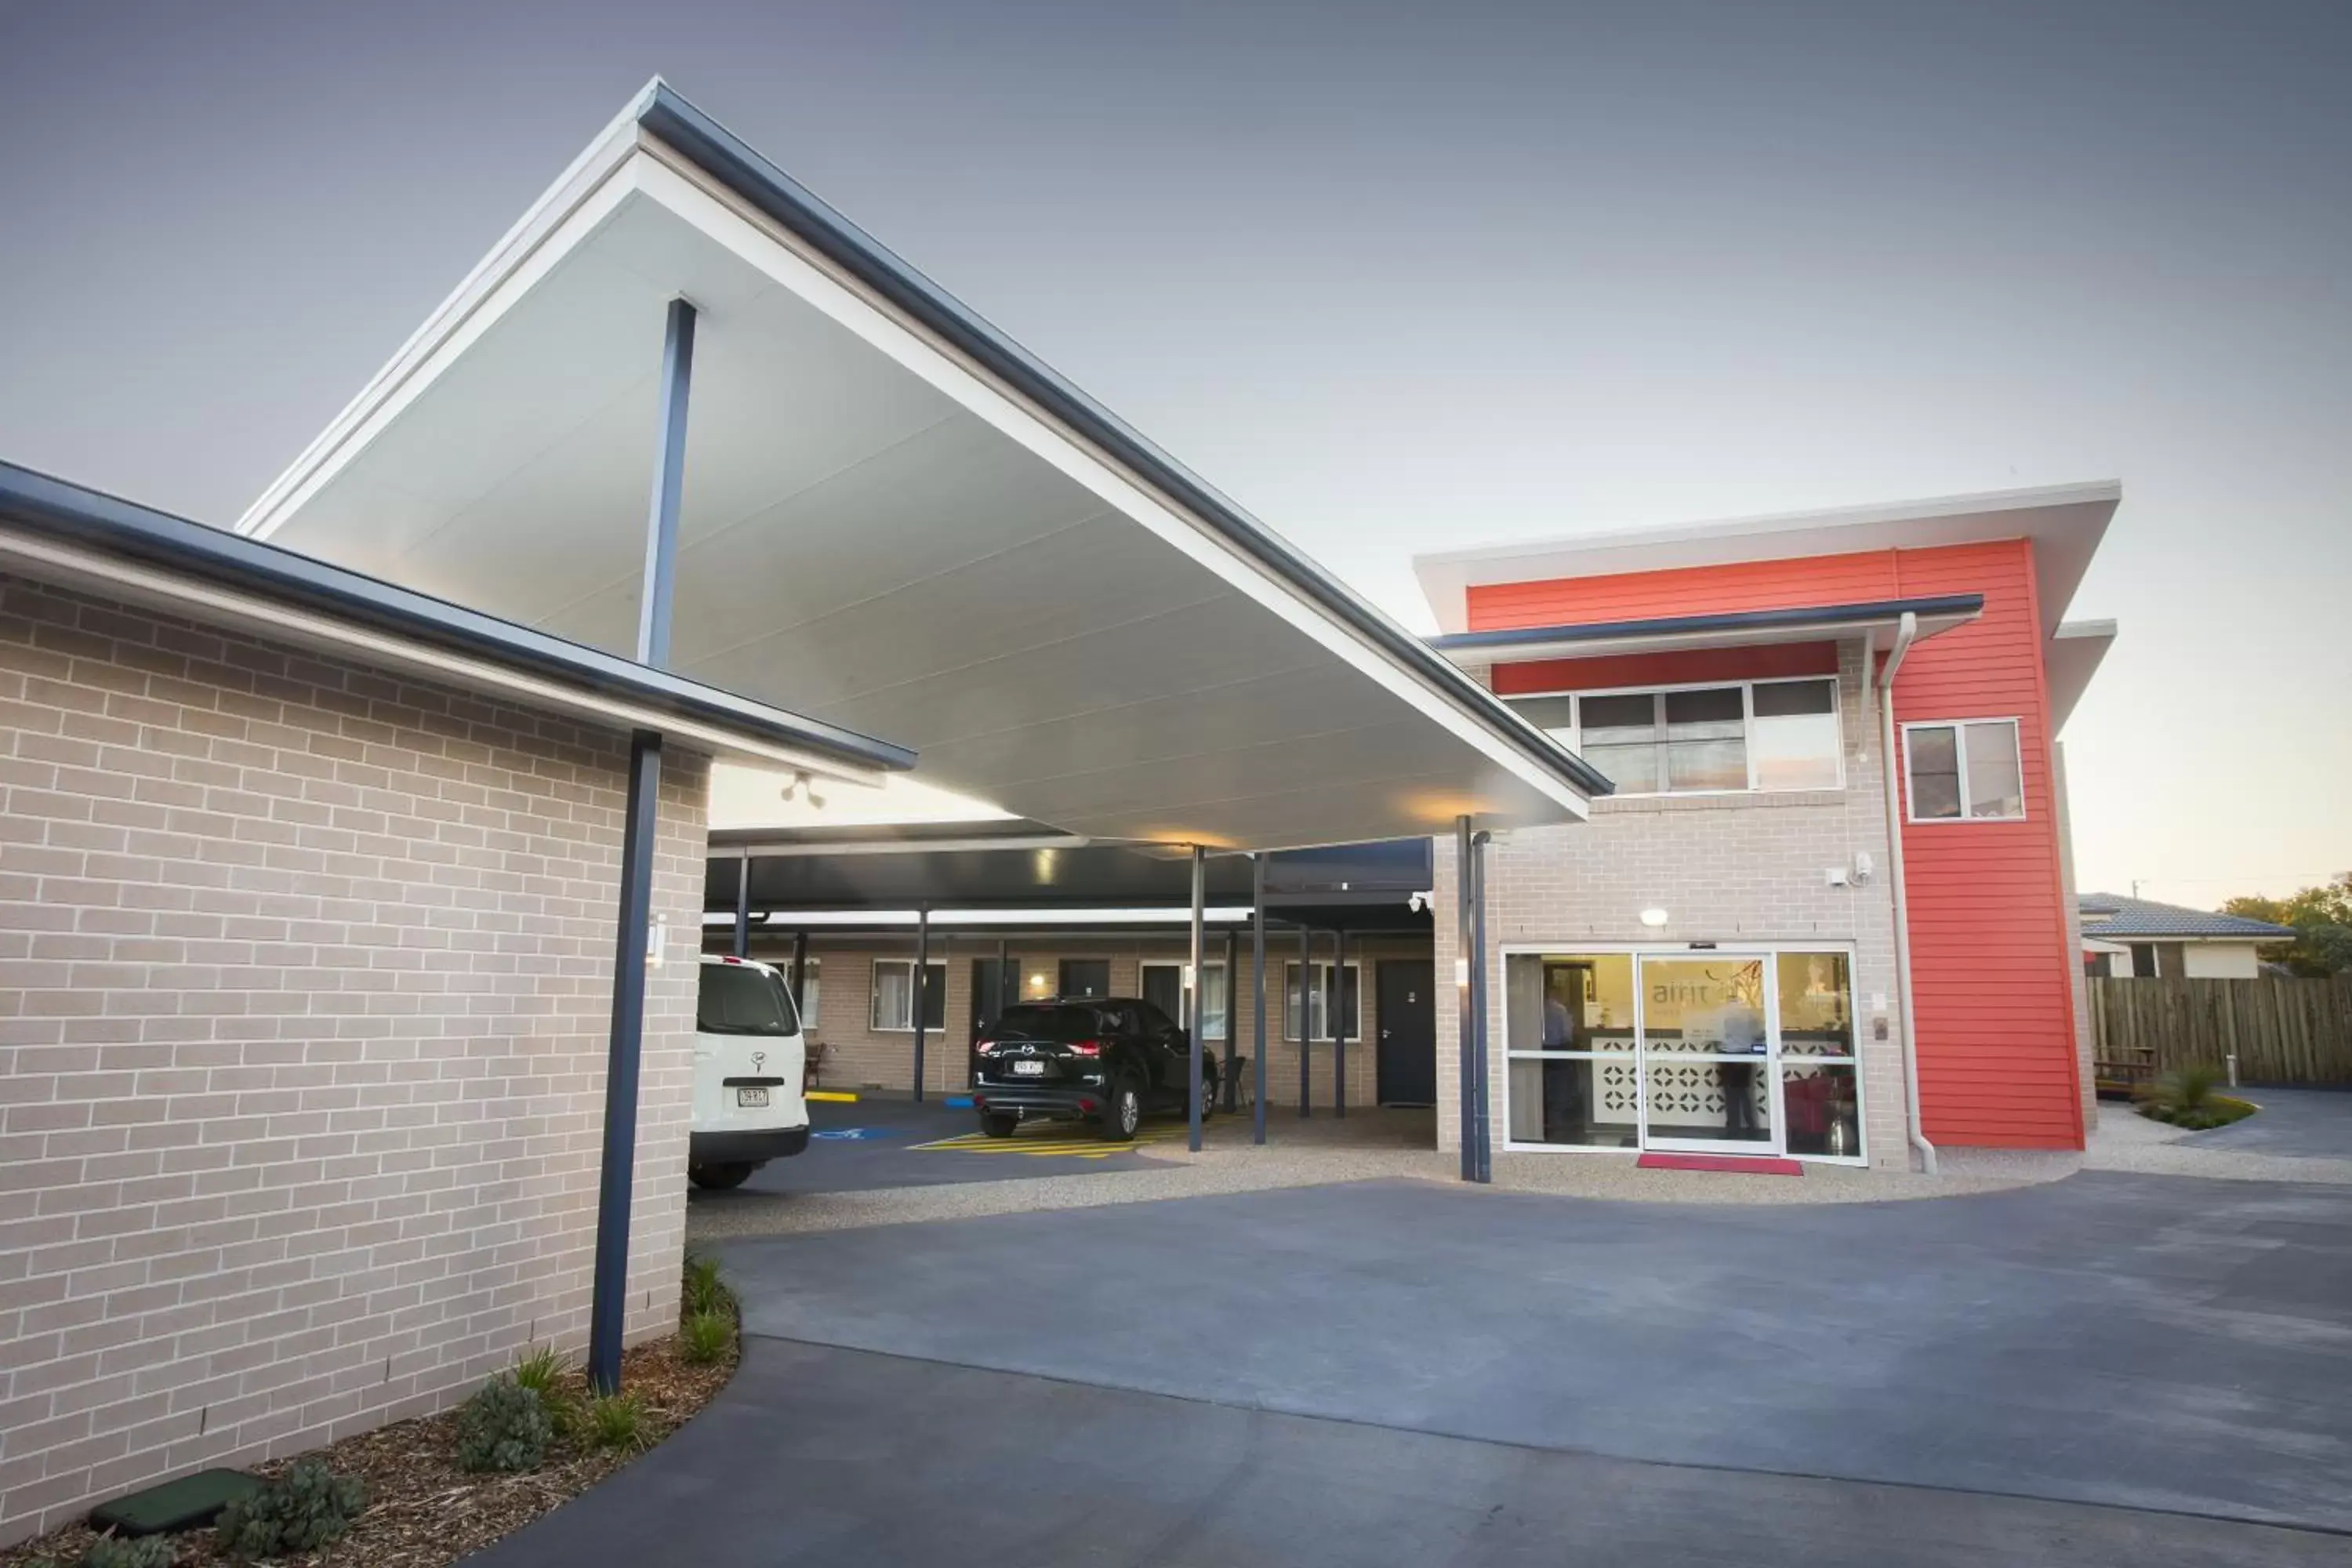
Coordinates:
1062	1023
738	1000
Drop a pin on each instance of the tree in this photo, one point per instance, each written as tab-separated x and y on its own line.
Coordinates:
2322	916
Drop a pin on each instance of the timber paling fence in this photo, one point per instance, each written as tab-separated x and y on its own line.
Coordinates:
2282	1031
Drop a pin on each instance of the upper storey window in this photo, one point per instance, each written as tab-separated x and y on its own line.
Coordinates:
1964	770
1698	740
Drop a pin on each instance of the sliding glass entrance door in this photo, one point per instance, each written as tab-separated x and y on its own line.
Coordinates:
1710	1082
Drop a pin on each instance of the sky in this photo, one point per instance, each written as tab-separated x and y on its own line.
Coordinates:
1397	277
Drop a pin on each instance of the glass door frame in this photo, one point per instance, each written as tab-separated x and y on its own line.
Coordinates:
1764	957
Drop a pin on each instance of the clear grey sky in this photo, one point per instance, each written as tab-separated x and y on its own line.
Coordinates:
1396	277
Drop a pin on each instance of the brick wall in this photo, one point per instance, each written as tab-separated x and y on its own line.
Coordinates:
305	980
860	1058
1744	869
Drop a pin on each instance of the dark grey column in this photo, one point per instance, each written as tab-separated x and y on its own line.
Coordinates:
608	1301
800	972
1465	945
743	906
1306	1020
1192	1028
1258	984
1484	1170
1226	1088
920	988
1339	1022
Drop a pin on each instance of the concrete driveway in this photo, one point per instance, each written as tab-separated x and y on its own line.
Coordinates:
2110	1368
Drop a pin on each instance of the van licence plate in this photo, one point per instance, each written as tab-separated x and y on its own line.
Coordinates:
750	1097
1029	1069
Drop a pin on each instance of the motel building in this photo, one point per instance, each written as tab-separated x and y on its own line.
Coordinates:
700	576
1837	825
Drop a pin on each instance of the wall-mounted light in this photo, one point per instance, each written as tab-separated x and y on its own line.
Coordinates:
1038	983
656	934
1654	918
801	785
1462	974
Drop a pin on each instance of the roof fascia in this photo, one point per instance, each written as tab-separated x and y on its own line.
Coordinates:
1745	627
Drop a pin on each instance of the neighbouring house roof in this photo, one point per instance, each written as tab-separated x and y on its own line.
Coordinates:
54	531
2064	522
2111	918
894	519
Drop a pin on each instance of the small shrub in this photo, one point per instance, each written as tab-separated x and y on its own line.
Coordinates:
567	1413
129	1551
706	1337
504	1427
702	1292
541	1371
2184	1099
617	1421
308	1507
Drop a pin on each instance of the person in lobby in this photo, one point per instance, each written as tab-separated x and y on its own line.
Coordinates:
1743	1036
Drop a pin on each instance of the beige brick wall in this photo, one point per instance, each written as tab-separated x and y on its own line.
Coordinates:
305	980
860	1058
1747	869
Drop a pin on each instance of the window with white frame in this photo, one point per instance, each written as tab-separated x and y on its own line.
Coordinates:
1968	769
1319	997
1163	987
893	1006
1691	740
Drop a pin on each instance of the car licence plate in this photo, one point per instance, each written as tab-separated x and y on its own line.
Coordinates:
1029	1069
750	1097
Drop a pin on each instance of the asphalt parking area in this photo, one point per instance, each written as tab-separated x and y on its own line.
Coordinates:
877	1143
2105	1369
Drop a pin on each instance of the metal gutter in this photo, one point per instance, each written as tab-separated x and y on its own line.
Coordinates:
1887	611
60	509
739	167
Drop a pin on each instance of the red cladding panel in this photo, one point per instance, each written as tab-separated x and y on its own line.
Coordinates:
1863	579
1990	964
1682	667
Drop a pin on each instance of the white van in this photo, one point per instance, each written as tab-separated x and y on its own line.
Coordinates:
748	1107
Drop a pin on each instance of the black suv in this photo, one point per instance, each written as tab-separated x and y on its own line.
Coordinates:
1111	1059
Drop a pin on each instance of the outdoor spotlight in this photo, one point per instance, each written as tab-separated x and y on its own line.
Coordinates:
1654	918
805	788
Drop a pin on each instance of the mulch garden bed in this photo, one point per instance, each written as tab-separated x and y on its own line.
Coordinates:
423	1510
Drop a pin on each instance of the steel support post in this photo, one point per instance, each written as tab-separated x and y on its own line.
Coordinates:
1192	975
743	906
1257	977
1465	945
921	989
608	1301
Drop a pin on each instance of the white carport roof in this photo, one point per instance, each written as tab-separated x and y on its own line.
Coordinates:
895	520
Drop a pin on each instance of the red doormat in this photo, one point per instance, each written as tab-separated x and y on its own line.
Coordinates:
1746	1164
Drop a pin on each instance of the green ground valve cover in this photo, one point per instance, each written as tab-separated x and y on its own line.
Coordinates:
189	1503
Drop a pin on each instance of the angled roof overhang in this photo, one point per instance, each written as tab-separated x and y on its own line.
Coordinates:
1878	622
2063	522
56	532
2072	659
895	521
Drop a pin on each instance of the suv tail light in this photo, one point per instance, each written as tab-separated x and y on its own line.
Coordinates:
1085	1047
983	1047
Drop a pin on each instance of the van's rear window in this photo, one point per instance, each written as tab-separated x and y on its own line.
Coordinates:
1064	1024
739	1000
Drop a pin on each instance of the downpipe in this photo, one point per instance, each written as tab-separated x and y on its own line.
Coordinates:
1907	631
